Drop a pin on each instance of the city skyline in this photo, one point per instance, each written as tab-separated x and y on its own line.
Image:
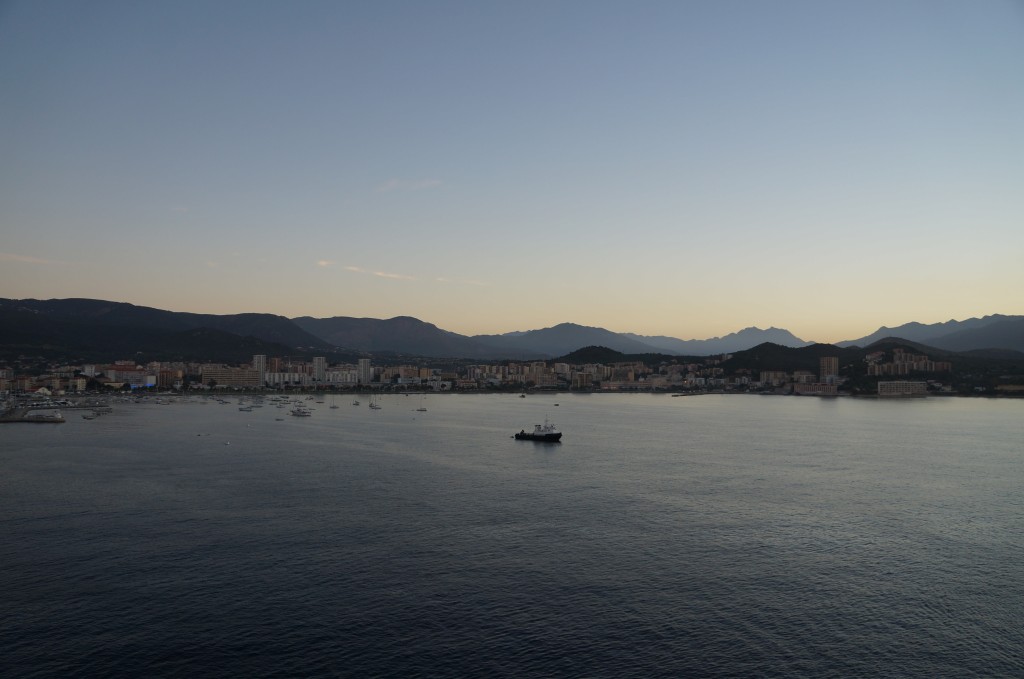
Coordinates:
678	169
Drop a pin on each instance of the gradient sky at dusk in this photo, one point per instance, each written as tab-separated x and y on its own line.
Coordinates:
677	168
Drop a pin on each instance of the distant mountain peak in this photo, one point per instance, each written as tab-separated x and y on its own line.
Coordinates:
736	341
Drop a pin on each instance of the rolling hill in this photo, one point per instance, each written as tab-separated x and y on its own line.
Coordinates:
564	338
402	335
100	313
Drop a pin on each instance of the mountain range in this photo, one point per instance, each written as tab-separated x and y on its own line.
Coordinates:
737	341
989	332
88	328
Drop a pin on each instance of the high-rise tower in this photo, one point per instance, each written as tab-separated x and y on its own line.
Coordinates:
365	371
829	372
259	364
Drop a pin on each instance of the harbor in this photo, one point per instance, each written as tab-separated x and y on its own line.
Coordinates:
36	415
50	412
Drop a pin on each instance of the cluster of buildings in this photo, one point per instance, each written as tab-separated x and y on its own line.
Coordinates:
276	373
318	373
285	373
904	363
77	378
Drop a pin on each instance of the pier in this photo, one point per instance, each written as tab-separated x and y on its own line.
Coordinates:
34	415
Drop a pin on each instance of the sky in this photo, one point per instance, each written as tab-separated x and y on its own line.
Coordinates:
665	168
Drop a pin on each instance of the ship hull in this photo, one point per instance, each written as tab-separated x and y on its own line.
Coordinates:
549	438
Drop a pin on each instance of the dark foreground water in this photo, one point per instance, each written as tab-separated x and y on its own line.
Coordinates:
699	536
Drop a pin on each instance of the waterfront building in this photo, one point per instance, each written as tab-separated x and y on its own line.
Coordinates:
288	379
902	388
816	389
406	373
343	375
224	376
166	379
774	378
623	373
136	377
581	380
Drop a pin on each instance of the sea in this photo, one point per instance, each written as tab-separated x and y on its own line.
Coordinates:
698	536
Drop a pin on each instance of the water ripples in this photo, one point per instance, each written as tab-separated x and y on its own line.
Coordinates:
347	547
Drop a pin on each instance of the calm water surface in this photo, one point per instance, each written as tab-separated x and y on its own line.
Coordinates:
697	536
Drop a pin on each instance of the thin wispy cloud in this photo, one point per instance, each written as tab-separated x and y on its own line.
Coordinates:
25	259
408	185
324	263
397	276
381	274
461	281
